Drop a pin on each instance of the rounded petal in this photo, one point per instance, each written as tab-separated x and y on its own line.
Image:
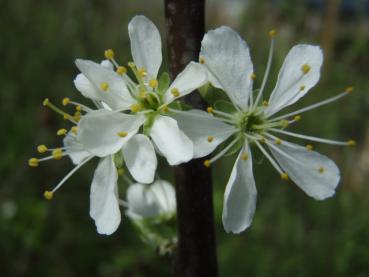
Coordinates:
98	131
145	201
293	83
171	141
116	94
75	151
227	58
86	88
314	173
190	79
205	132
145	44
140	158
240	196
104	205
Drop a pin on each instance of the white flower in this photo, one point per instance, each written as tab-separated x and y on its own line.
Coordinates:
151	200
104	132
248	122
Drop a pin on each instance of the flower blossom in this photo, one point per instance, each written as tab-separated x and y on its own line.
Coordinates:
249	121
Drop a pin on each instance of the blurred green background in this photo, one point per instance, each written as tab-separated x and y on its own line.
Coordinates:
292	234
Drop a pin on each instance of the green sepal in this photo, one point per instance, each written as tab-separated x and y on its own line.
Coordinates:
118	159
148	123
164	82
225	106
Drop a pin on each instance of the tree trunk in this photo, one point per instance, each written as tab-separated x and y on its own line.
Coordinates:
196	253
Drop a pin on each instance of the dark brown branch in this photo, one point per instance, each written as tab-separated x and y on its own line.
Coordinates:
196	255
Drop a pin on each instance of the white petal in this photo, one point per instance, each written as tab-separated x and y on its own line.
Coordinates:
104	206
165	196
145	44
240	196
145	201
140	158
190	79
304	170
291	78
75	150
227	57
117	95
171	141
86	88
98	131
107	64
199	126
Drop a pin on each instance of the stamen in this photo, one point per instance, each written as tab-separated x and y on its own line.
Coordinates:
297	118
33	162
120	171
175	92
122	134
207	163
62	132
78	108
57	154
313	106
48	195
253	76
109	54
210	110
74	130
142	72
349	89
271	160
272	34
210	138
41	148
244	156
135	107
153	83
65	101
104	86
201	60
265	103
351	142
121	70
305	68
321	170
284	176
165	109
69	175
51	106
302	88
328	141
309	147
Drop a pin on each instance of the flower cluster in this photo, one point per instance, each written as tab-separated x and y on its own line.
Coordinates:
138	116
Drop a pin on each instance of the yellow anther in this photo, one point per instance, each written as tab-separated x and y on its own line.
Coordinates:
297	117
253	76
153	83
41	148
210	138
210	110
121	70
207	163
265	103
272	33
57	154
165	109
309	147
278	142
302	87
45	102
104	86
142	94
48	195
109	54
284	123
321	170
244	156
174	92
65	101
142	72
77	116
263	140
131	64
74	130
62	132
67	116
78	108
122	134
284	176
351	142
33	162
135	107
201	60
120	171
349	89
305	68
